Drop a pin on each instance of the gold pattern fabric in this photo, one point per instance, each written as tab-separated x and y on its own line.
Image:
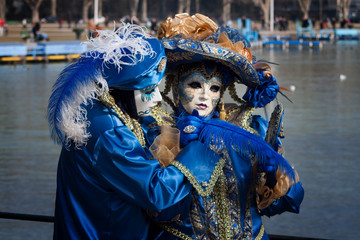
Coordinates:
275	125
241	116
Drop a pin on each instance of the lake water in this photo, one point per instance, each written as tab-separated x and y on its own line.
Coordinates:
321	129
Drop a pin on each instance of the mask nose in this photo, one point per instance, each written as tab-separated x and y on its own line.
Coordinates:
204	94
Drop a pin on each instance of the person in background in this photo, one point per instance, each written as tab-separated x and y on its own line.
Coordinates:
107	177
254	180
2	24
91	28
153	27
24	23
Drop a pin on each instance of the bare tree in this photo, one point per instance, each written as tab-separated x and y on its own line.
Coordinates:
226	10
2	9
344	7
265	7
187	6
85	10
304	7
134	4
144	10
34	6
181	6
163	9
100	8
53	8
197	6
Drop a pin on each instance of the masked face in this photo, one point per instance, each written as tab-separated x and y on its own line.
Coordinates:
146	98
197	92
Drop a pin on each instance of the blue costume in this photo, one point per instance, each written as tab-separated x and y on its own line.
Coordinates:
255	179
107	177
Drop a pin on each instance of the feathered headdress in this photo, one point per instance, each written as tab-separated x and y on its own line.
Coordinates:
193	39
111	61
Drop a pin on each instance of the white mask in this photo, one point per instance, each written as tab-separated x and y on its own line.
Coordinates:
196	92
146	98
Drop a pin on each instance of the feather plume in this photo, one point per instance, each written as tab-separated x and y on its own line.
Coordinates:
222	134
123	46
75	88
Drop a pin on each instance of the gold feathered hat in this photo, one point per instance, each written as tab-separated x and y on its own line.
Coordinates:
197	38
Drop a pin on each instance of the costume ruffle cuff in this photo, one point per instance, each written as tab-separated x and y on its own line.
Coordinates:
263	93
201	166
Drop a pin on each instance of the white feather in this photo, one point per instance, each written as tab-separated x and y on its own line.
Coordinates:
74	116
128	42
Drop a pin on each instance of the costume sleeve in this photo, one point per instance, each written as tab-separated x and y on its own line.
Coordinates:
288	203
125	167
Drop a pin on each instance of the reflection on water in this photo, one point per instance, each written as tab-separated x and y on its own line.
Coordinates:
322	139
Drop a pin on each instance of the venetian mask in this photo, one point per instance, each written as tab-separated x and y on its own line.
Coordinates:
147	98
200	93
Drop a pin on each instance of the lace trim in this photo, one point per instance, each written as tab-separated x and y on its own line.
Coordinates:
205	188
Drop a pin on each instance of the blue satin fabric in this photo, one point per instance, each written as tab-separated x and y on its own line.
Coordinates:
242	170
263	93
103	188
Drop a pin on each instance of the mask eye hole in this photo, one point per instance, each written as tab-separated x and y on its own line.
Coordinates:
195	85
214	88
150	91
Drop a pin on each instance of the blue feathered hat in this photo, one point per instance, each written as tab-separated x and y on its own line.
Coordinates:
126	58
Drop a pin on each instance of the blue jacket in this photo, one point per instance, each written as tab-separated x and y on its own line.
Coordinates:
104	187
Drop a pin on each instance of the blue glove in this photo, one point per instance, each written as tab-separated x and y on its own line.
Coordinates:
270	169
190	127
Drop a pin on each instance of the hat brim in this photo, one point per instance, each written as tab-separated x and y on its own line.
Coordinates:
180	51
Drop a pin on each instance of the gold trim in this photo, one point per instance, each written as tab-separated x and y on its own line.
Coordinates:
162	117
246	113
161	65
176	232
261	233
132	124
222	204
192	179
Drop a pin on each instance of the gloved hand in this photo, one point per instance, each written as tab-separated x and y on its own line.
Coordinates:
190	127
270	169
